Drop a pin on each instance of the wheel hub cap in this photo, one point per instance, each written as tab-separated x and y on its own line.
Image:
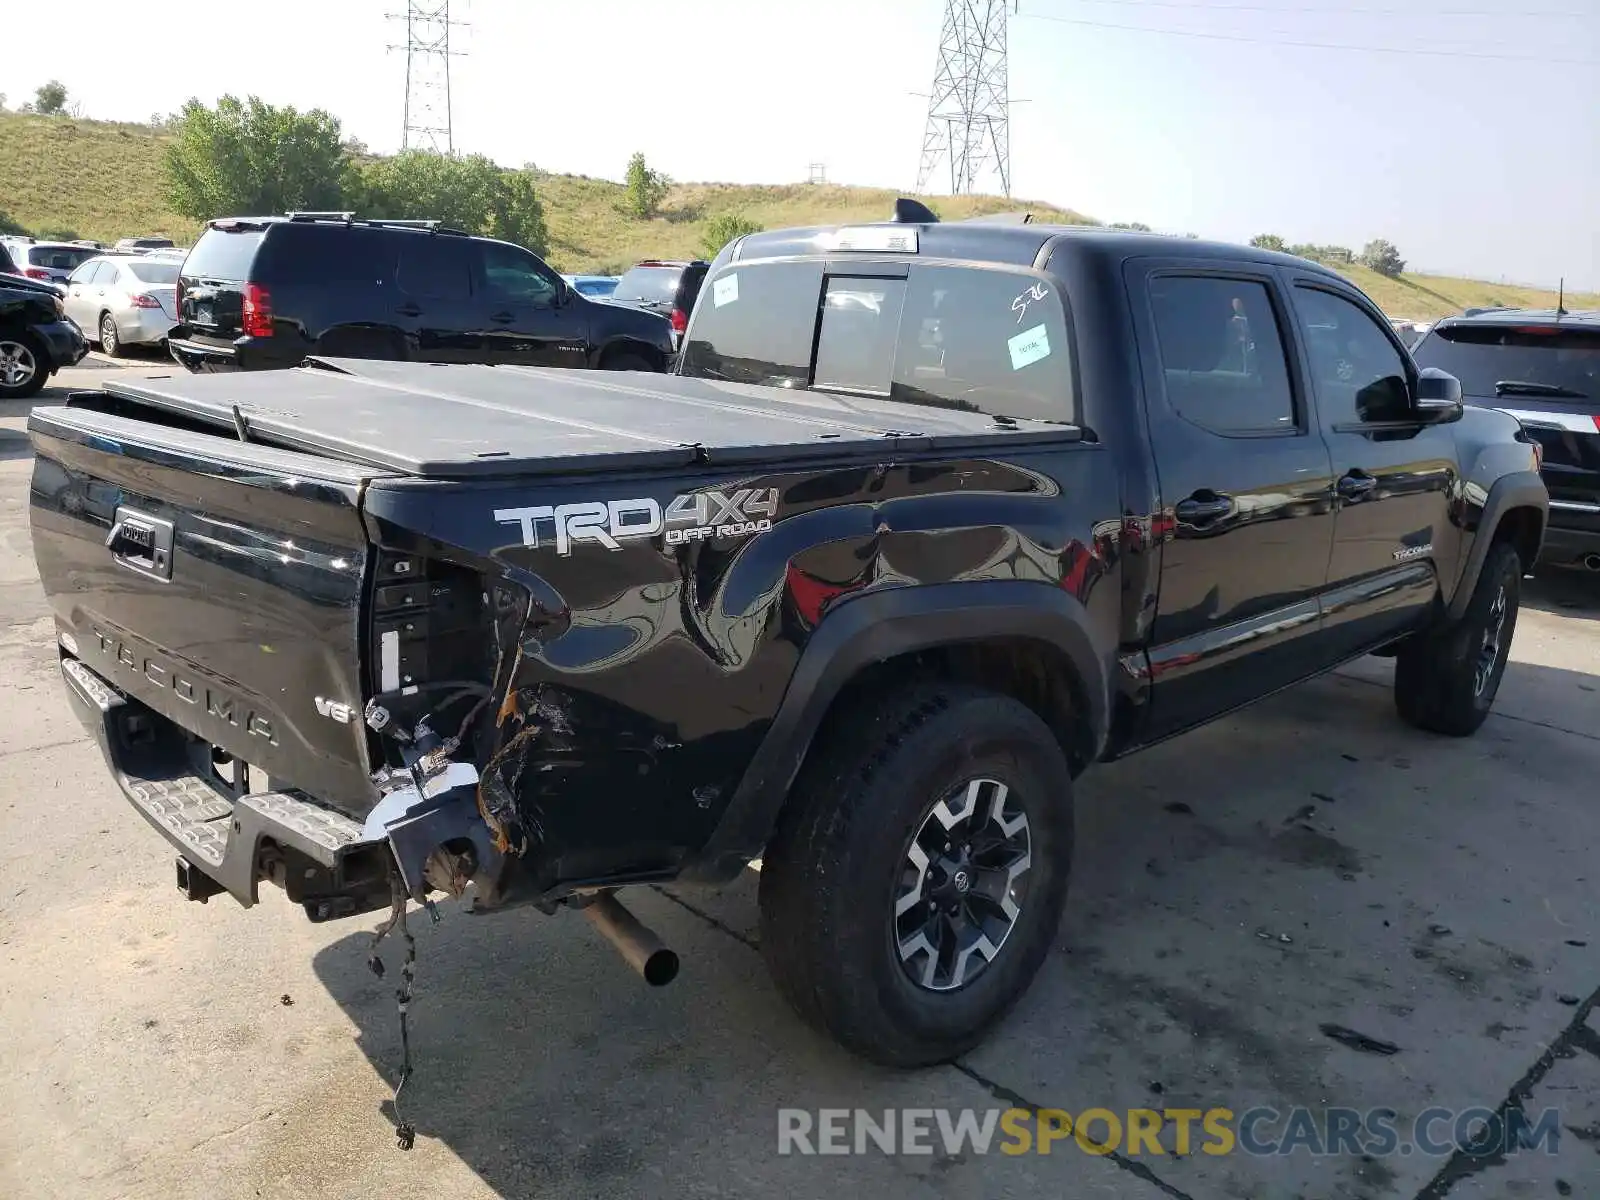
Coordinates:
962	884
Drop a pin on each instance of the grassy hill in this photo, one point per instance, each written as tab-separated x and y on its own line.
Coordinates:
102	180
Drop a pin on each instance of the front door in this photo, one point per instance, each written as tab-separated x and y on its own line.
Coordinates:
1246	486
1393	474
84	297
529	316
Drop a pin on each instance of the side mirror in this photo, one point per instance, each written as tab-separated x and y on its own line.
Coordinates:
1438	396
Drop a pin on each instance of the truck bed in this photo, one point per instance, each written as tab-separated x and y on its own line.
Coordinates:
447	421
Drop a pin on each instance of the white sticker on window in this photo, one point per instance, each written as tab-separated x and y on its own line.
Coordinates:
1029	346
725	290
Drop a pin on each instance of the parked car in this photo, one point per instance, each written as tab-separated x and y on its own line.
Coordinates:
668	288
124	300
596	287
135	245
261	292
36	339
896	555
49	262
11	275
1543	367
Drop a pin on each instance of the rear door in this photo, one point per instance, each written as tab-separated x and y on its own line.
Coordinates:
213	277
1246	485
437	306
1393	475
525	319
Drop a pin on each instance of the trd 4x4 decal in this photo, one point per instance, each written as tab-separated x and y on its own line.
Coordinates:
692	517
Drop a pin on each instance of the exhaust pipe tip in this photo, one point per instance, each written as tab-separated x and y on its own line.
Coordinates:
638	945
1591	562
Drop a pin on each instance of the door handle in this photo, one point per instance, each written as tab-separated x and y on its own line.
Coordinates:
1356	484
1204	507
502	318
409	310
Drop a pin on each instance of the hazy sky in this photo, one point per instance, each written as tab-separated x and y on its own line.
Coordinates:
1469	162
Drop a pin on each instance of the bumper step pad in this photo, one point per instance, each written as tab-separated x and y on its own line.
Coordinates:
219	833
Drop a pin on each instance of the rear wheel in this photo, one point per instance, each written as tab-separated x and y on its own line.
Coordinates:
915	882
110	339
1445	680
22	366
627	360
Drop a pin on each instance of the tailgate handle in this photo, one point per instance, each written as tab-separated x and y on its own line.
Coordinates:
141	543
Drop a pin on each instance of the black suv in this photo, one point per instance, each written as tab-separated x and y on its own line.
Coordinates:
668	288
1542	366
263	292
36	339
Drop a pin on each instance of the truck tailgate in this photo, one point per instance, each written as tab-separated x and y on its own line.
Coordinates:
220	584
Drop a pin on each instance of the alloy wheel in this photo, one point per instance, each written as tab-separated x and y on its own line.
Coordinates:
962	885
17	365
1489	648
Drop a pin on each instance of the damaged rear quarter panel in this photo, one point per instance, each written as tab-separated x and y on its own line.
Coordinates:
646	675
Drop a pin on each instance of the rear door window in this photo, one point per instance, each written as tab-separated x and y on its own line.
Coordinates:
434	267
756	324
224	254
1222	355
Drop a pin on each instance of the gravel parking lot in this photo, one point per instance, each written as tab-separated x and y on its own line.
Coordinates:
1309	863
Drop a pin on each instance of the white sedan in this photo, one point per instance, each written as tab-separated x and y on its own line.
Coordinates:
124	300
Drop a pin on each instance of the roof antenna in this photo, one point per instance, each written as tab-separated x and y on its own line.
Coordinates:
1561	297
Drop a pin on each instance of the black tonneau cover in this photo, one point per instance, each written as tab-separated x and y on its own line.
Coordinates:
469	421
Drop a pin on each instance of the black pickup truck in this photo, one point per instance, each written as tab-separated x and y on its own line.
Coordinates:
930	518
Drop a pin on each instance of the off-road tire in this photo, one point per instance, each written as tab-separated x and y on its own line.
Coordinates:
831	872
1436	676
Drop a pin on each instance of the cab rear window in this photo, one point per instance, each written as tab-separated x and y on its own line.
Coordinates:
981	339
223	254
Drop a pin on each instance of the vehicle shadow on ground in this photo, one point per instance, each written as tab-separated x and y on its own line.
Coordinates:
14	444
1227	898
1565	591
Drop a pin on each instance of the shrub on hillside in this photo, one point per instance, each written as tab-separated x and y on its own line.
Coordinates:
646	188
1381	256
719	231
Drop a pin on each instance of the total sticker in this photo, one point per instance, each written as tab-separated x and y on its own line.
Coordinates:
725	290
1029	346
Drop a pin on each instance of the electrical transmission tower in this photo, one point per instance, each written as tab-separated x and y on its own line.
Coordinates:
428	55
969	110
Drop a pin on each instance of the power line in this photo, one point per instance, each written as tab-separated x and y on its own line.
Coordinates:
1237	37
1359	12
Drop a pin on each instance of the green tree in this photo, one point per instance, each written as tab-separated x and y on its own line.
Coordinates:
9	227
1381	256
647	188
1267	241
50	100
247	157
1135	226
719	231
518	215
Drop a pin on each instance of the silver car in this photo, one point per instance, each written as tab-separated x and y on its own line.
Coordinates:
50	262
124	300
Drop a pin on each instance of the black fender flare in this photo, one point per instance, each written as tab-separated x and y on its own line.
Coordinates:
1519	489
884	624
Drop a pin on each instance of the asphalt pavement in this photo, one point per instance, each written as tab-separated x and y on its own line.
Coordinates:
1307	904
